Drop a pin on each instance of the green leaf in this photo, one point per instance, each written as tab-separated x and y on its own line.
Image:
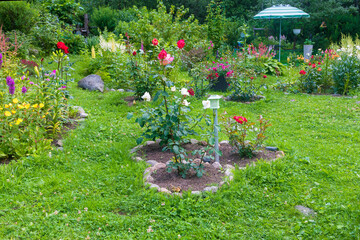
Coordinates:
129	115
139	140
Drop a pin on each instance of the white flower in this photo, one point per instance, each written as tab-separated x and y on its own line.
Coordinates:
173	89
146	97
358	47
184	92
186	103
206	104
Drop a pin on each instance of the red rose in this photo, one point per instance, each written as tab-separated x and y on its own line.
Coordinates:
319	69
162	55
181	43
302	72
252	78
319	63
60	45
155	42
191	92
314	65
240	119
312	56
134	53
309	63
264	76
217	75
66	49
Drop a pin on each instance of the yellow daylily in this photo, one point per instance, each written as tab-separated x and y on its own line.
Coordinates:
13	111
15	100
35	105
7	113
20	106
6	106
41	105
27	105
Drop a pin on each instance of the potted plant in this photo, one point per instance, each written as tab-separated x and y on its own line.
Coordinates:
308	47
217	75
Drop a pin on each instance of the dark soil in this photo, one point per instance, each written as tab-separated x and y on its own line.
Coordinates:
130	100
174	182
71	125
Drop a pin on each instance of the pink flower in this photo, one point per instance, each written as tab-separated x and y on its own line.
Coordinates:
168	59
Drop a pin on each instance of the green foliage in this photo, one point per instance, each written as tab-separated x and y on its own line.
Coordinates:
243	88
17	16
346	73
68	11
215	21
104	18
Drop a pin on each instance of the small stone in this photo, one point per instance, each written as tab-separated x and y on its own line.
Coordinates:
196	192
159	166
272	148
112	90
211	189
149	179
231	177
228	172
136	149
158	141
217	165
92	82
221	183
121	90
177	194
148	143
194	141
164	190
83	115
59	143
207	164
167	163
154	186
280	154
305	210
138	159
152	162
228	166
60	149
224	142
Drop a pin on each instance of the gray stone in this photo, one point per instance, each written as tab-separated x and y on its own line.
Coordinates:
81	111
194	141
136	149
280	154
60	149
178	194
121	90
196	192
231	177
221	183
211	189
149	178
164	190
224	142
159	166
147	171
305	210
92	82
59	143
129	90
272	148
228	172
217	165
152	162
167	163
148	143
207	164
228	166
197	161
138	159
112	90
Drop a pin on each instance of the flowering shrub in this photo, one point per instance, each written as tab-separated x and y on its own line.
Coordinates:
310	78
239	129
346	74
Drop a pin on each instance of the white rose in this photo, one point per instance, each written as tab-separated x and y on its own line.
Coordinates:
146	97
186	103
206	104
184	92
173	89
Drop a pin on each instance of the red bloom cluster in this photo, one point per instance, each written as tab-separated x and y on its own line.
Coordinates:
29	63
302	72
191	92
134	53
162	55
240	119
155	42
212	75
62	46
181	43
314	65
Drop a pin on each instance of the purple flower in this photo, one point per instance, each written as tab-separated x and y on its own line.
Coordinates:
48	79
9	81
12	89
63	87
31	83
23	77
23	90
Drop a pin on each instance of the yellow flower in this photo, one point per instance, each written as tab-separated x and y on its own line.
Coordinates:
1	108
10	124
15	100
13	111
7	113
41	105
43	116
36	70
35	105
6	106
20	106
18	121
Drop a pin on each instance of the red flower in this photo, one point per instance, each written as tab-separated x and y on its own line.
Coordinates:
314	65
252	78
309	63
302	72
181	43
63	47
319	63
162	55
155	42
264	76
217	75
319	69
134	53
240	119
191	92
312	56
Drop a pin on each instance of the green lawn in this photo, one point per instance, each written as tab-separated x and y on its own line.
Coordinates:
93	188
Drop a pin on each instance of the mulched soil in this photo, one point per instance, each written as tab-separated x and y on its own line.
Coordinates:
172	180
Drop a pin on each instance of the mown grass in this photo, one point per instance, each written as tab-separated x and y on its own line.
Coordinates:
100	189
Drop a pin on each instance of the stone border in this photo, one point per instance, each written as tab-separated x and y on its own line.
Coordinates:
228	169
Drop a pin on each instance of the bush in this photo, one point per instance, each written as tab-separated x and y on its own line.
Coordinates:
104	18
346	73
67	11
17	16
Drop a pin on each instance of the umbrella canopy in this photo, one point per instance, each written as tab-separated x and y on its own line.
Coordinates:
280	12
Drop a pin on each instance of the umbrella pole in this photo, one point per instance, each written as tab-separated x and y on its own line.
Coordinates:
280	41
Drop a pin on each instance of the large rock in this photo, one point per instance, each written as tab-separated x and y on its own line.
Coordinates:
92	82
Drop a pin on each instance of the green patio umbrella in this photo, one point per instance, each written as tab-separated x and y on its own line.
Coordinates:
280	12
